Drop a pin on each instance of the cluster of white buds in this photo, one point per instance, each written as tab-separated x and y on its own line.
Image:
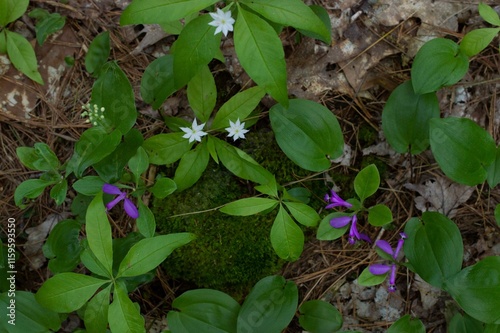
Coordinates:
95	114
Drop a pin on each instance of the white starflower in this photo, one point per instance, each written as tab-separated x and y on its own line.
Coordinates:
236	130
194	133
222	21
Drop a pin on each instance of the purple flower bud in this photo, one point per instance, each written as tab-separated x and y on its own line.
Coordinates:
334	200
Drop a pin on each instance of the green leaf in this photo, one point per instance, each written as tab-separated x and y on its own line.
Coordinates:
379	215
41	157
166	148
96	311
488	14
163	187
123	315
202	94
191	167
497	214
290	13
303	213
269	307
98	232
327	232
59	191
30	189
476	289
477	40
11	10
172	27
319	317
437	64
194	49
150	252
89	185
434	247
90	261
113	91
241	164
464	324
157	11
491	328
260	53
146	223
203	310
240	106
67	292
28	316
493	170
300	194
405	119
367	279
139	163
62	247
94	145
287	238
270	188
22	56
157	83
367	182
47	24
462	148
407	325
98	52
308	133
3	42
323	15
249	206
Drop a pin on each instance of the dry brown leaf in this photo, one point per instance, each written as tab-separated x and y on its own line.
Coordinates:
440	195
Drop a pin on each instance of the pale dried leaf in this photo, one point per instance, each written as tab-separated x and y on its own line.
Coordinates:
440	195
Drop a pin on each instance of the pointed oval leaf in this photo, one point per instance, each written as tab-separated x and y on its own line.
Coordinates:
48	25
379	215
488	14
63	247
477	40
319	317
123	315
367	279
98	232
462	148
407	324
113	91
191	167
202	94
148	253
166	148
204	310
22	56
269	307
287	238
157	11
163	187
30	189
405	119
367	182
67	292
260	53
98	52
41	157
146	223
157	83
290	13
308	133
438	63
96	311
493	170
29	316
476	289
240	106
139	163
88	185
249	206
303	213
434	247
194	49
11	10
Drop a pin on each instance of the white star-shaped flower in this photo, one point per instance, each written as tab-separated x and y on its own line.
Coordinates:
222	21
194	133
236	130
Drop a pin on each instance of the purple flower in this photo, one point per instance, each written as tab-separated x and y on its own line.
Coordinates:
354	234
128	205
334	200
379	269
